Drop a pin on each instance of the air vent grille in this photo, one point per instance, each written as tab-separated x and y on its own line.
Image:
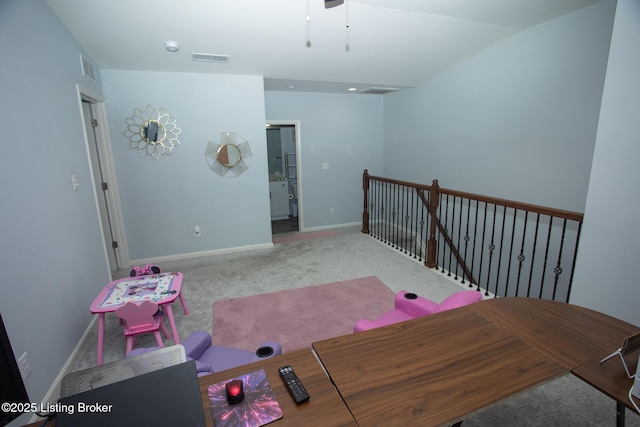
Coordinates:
88	70
379	90
208	57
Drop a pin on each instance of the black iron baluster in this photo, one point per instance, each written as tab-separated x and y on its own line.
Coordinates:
467	238
504	219
414	216
484	232
521	257
446	229
422	233
451	233
492	247
475	235
405	216
558	268
573	263
394	214
459	235
533	254
546	257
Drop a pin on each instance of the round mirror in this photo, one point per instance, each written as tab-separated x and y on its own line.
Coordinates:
229	155
153	131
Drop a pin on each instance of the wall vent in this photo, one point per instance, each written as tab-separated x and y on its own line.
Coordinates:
88	70
379	90
208	57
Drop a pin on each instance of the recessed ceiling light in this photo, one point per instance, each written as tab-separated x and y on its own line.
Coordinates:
172	46
352	89
291	87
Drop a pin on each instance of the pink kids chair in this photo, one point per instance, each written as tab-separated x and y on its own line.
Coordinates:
142	318
410	306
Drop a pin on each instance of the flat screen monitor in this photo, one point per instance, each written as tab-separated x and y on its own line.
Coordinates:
12	389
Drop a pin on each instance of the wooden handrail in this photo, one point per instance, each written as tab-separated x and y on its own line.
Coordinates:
558	213
387	207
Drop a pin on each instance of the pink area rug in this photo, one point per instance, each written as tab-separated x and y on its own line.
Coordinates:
297	317
298	237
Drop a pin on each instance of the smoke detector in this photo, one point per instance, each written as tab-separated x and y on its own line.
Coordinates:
172	46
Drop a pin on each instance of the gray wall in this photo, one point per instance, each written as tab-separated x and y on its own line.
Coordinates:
517	121
608	255
163	200
343	130
52	256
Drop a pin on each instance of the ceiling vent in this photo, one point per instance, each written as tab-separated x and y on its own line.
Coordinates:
208	57
379	90
88	70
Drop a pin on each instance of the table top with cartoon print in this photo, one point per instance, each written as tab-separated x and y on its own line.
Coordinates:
160	288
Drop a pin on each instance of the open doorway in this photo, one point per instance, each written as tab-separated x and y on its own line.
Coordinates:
285	186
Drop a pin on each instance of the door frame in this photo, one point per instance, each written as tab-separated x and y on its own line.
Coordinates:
107	165
296	125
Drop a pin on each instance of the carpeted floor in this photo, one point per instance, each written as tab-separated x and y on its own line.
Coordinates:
350	254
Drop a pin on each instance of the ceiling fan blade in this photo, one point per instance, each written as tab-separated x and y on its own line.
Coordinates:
332	3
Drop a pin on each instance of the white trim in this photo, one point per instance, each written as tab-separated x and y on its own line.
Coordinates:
328	227
296	125
109	173
192	255
54	390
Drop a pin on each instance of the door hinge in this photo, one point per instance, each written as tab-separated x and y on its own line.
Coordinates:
114	244
105	187
94	123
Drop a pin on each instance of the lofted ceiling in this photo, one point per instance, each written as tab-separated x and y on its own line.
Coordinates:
364	44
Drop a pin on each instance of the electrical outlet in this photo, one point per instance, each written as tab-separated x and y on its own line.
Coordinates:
196	231
25	367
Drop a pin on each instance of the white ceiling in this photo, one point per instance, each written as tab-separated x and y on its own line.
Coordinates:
392	43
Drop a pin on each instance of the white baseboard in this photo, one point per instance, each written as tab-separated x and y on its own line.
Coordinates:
329	227
55	387
192	255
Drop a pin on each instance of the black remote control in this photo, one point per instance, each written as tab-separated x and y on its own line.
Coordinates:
293	384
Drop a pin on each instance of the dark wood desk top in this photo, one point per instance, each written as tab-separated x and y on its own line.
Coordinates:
325	407
433	370
570	334
610	377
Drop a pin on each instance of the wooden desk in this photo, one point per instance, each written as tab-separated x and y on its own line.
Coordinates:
570	334
325	407
574	336
433	370
441	368
611	379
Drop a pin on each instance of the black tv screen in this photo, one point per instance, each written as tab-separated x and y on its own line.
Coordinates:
12	389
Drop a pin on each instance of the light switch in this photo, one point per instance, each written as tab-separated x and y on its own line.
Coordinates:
325	165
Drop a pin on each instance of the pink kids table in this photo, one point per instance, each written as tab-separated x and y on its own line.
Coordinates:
163	289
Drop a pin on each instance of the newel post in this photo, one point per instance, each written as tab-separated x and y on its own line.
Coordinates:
365	211
434	201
